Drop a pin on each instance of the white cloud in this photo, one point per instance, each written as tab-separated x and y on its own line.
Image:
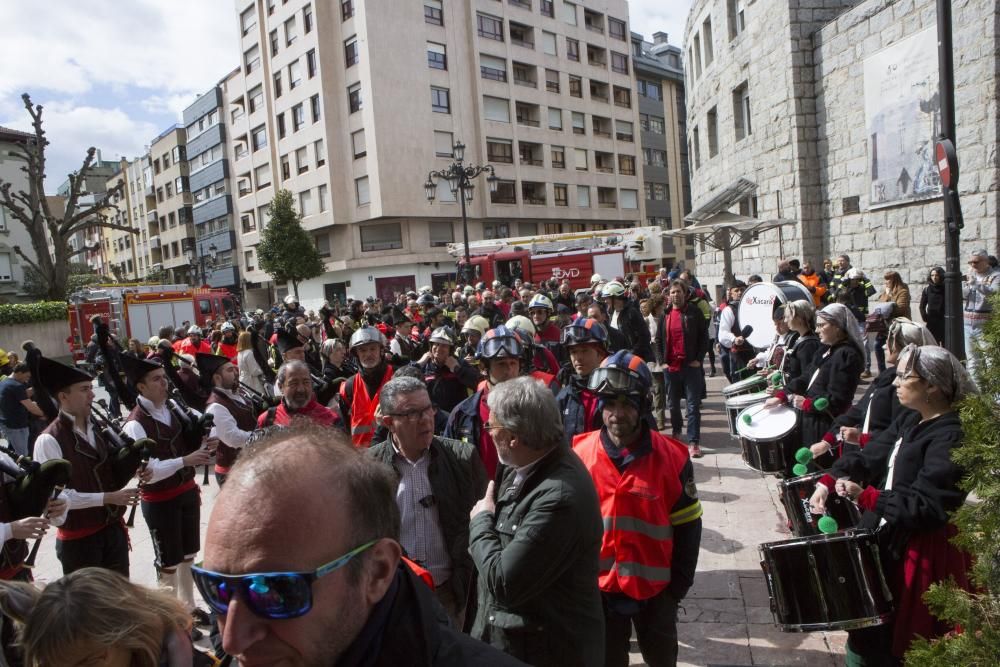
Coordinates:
669	16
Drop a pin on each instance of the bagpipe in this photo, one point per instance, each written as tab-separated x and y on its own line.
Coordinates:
29	493
126	452
109	348
194	426
41	396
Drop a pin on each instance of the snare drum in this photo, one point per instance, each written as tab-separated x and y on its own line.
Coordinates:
736	404
751	385
795	494
771	438
826	582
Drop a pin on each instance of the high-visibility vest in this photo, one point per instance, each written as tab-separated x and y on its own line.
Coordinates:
638	543
363	408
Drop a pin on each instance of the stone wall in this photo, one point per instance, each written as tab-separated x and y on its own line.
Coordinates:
49	337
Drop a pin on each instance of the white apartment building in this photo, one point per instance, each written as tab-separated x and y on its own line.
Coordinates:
12	232
350	104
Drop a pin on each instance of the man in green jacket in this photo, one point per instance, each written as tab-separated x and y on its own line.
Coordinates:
440	480
535	538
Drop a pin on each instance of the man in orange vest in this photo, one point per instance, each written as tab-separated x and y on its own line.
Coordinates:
359	394
651	512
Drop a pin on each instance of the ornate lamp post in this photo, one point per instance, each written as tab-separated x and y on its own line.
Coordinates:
198	263
459	177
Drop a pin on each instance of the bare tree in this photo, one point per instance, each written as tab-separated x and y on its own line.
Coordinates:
32	209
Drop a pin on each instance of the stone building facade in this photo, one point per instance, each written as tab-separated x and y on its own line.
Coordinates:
776	97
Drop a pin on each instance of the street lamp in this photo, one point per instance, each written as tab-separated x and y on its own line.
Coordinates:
459	178
198	263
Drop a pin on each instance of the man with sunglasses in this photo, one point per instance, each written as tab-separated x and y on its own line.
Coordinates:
439	481
302	564
650	548
586	342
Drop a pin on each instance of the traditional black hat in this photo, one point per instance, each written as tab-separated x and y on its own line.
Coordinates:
209	364
55	376
136	369
397	317
287	340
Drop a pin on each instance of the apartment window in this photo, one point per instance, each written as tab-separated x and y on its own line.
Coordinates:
616	29
604	162
248	20
294	74
441	233
251	59
301	160
243	186
505	194
444	192
354	97
741	111
656	124
579	122
346	9
606	198
654	157
580	159
291	31
323	195
650	89
623	97
522	35
552	80
697	55
575	86
560	194
358	144
443	143
248	223
436	56
583	196
381	237
500	150
490	27
706	31
496	108
277	84
697	147
305	203
549	43
626	165
258	138
298	117
286	168
547	8
737	17
623	131
628	199
351	52
598	90
524	4
712	123
555	119
273	38
256	96
281	125
439	100
558	154
596	56
491	67
319	151
361	190
307	19
573	49
552	228
248	259
433	12
527	114
311	63
499	230
593	20
567	13
530	154
314	108
533	193
262	176
619	63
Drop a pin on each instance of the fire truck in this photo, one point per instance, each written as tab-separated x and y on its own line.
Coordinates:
612	253
138	311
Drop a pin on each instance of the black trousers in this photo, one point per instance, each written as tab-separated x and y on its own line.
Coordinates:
175	527
655	622
107	548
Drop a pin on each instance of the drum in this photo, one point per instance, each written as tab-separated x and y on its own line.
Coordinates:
758	303
737	404
826	582
771	438
751	385
795	494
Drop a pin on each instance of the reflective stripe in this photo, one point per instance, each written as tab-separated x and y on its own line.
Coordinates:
647	572
686	515
362	428
635	525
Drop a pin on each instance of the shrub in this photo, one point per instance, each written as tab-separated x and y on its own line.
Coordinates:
24	313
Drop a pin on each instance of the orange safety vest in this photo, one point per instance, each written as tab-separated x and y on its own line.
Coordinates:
638	542
363	408
813	281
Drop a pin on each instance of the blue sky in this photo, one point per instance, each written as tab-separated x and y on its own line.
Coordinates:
115	73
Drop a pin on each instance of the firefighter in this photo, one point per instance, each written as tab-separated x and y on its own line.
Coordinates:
227	346
448	379
586	343
359	394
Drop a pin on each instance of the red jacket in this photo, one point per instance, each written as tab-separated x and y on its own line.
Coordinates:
319	414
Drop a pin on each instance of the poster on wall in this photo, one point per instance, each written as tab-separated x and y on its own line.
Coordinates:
902	114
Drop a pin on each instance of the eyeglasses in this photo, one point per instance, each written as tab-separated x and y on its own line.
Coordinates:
270	595
491	427
414	414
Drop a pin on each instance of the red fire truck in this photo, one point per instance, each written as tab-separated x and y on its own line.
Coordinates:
138	311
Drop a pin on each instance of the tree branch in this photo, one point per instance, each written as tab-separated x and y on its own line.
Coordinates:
28	261
102	223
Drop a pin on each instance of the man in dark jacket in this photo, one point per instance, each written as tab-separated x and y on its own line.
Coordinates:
681	345
624	316
535	538
345	596
439	481
449	379
586	342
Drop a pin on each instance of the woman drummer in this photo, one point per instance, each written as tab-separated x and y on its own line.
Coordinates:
800	316
879	407
833	375
906	482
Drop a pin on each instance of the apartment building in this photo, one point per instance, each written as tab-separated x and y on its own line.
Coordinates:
171	199
12	232
121	248
659	71
350	104
88	244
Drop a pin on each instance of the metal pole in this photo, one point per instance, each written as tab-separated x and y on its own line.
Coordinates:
954	339
462	182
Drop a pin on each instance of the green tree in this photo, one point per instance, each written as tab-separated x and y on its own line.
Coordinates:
287	252
977	613
78	276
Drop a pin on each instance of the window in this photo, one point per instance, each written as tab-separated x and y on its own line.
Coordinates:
248	19
604	162
626	165
527	114
499	230
500	150
381	237
444	193
346	9
606	198
441	233
623	97
596	56
291	31
305	203
311	63
552	80
307	19
654	157
496	108
579	122
358	144
530	154
697	55
583	196
433	13
737	17
248	223
629	199
558	157
555	119
491	67
251	59
598	90
568	13
623	130
533	193
560	194
351	52
443	143
505	194
273	38
552	228
547	8
248	259
323	195
524	75
712	122
575	86
549	43
573	49
277	85
741	111
525	4
262	176
436	57
656	124
522	35
490	27
580	159
650	89
256	96
361	190
298	117
616	29
314	108
319	150
594	21
286	168
354	97
439	100
301	160
706	31
294	74
619	63
697	147
258	138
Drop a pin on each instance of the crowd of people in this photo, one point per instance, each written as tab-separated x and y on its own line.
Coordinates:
486	471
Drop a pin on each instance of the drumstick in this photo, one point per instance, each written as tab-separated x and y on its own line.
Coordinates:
747	416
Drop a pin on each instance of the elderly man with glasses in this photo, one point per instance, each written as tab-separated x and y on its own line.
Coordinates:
302	563
440	480
978	286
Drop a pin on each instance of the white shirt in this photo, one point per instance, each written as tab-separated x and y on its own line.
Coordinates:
250	371
420	526
48	448
162	469
225	428
726	321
